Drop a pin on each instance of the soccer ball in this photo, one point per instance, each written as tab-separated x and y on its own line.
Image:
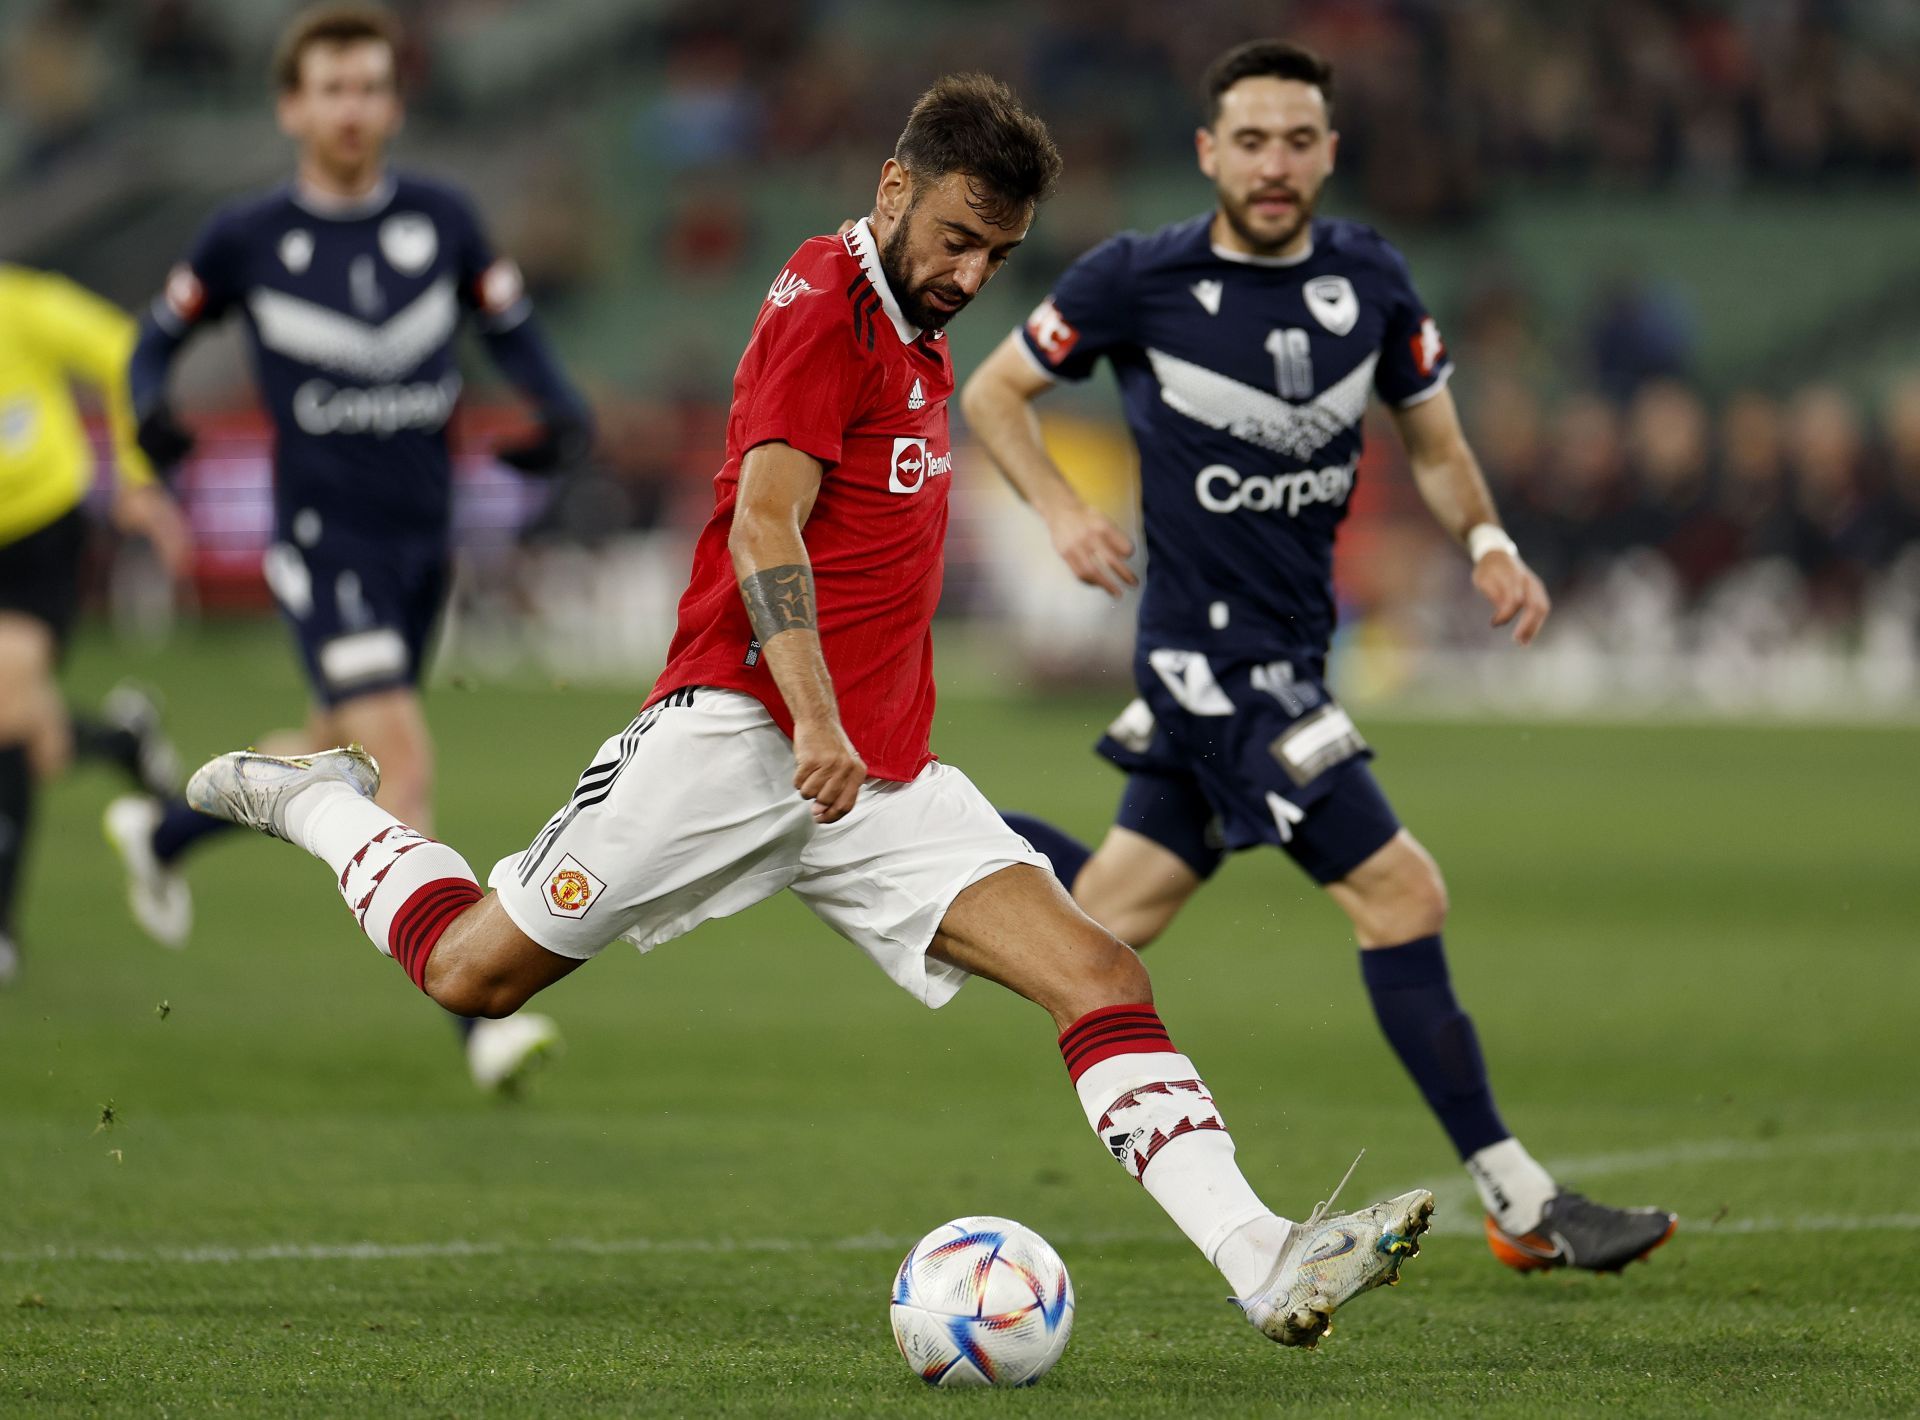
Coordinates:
982	1301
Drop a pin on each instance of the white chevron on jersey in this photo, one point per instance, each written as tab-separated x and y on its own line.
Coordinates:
316	335
1297	430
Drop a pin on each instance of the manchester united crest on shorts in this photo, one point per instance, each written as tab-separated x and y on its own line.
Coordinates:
573	888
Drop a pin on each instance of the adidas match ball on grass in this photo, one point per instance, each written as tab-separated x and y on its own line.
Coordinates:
982	1301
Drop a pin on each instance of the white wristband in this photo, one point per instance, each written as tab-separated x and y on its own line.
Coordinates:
1489	537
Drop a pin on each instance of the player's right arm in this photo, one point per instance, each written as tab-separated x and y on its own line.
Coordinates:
1089	314
778	485
198	290
998	402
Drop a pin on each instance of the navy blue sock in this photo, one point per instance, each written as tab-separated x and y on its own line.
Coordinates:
1067	853
16	811
180	828
1434	1039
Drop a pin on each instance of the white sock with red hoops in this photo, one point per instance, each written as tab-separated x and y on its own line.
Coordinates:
403	888
1156	1116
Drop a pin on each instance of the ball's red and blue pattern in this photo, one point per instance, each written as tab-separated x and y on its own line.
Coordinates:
982	1301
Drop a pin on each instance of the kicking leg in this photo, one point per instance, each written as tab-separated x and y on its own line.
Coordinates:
1149	1107
1398	905
414	897
392	725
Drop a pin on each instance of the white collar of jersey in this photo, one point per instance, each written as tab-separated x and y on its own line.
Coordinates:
861	243
1246	258
343	209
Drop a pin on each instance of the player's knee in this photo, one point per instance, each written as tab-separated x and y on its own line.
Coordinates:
475	989
1417	906
1111	974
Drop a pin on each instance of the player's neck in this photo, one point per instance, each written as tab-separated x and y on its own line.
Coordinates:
324	187
1226	238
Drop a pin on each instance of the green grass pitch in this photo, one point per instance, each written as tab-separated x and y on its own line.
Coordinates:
1691	953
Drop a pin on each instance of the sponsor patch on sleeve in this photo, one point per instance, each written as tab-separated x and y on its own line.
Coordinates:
185	296
1051	332
500	287
1429	350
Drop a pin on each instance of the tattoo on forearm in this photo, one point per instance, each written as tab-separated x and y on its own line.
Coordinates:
779	599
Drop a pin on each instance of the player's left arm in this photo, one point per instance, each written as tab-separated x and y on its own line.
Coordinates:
493	289
93	339
1449	479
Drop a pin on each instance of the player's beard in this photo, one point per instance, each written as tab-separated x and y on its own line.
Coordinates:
913	305
1238	215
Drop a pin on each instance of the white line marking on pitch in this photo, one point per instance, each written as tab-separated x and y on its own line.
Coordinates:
1457	1201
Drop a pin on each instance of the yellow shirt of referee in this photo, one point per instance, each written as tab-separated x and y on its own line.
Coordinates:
53	332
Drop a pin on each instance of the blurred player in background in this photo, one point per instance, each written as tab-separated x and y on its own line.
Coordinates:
353	281
786	743
1247	343
53	333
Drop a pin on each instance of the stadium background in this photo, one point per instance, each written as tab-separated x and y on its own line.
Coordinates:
1675	248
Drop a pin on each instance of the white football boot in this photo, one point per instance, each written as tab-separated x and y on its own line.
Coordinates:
253	789
1330	1260
501	1054
159	898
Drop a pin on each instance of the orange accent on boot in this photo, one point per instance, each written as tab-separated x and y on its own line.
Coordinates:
1527	1253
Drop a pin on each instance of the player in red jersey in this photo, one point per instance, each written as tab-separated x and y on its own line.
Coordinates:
786	743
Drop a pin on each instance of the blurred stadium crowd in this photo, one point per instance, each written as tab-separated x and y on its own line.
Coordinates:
1688	464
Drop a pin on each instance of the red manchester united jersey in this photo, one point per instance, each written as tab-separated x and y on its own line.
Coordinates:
835	370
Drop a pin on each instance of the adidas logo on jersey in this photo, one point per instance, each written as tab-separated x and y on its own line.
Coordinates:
1208	294
787	288
916	397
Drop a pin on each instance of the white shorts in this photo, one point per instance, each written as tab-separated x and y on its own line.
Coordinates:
690	813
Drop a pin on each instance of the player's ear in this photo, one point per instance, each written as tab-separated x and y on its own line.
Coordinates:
896	192
286	111
1203	151
1333	149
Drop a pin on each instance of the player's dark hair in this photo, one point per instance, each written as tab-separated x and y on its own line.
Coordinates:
972	124
330	24
1263	59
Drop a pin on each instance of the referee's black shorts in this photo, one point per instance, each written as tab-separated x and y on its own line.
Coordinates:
40	574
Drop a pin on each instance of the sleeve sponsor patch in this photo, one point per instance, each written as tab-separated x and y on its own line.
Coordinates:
185	294
1052	335
1429	350
500	287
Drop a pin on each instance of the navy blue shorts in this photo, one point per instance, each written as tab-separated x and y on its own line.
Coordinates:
362	611
1223	755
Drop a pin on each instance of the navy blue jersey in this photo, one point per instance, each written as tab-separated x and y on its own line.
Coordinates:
1244	381
352	314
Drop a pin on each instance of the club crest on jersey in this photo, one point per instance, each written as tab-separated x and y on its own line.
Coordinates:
1208	294
573	888
1051	332
1332	302
787	288
409	243
296	250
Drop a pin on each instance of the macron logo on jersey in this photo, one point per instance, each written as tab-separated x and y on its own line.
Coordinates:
1051	332
787	288
1208	294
